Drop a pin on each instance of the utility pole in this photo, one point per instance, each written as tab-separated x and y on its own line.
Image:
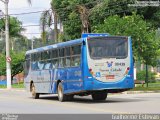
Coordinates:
32	44
8	58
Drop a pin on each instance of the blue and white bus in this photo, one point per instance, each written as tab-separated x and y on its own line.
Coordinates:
92	66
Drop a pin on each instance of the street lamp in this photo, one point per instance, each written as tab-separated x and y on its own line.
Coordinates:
8	59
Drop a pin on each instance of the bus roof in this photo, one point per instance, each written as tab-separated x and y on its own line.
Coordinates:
58	45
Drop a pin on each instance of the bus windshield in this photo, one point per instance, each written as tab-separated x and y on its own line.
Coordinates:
108	47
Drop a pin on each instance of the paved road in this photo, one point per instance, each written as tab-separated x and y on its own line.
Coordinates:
20	101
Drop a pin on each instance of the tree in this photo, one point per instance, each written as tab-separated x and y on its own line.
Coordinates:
16	63
15	26
78	16
46	21
137	28
145	45
15	29
72	13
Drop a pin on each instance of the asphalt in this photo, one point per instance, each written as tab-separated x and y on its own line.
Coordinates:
126	92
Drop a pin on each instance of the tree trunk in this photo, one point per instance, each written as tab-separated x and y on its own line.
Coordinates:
12	44
61	27
142	66
55	27
147	74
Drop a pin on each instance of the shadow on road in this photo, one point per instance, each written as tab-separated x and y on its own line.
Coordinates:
89	100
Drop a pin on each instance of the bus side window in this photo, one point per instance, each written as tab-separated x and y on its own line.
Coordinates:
61	57
54	58
46	55
75	55
27	65
55	63
48	64
76	61
41	65
54	54
34	65
68	57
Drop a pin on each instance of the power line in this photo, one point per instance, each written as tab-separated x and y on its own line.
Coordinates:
31	25
35	25
32	33
25	13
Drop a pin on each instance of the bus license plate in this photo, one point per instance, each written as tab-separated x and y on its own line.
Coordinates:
109	76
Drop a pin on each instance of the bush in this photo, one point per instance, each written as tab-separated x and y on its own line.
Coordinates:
141	75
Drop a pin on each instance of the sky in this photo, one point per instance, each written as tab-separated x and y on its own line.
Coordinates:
22	6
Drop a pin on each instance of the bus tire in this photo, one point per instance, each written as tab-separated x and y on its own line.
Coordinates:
61	96
99	95
33	90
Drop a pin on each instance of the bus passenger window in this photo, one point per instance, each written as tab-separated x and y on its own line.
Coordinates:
32	57
75	55
76	50
54	54
68	52
34	66
38	56
55	63
75	61
60	63
48	65
46	55
42	55
41	65
68	61
61	52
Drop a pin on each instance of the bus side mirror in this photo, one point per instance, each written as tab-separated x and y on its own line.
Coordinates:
84	43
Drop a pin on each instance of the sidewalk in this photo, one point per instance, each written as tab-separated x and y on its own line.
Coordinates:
137	92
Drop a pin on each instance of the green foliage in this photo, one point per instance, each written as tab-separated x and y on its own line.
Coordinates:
20	85
72	27
114	17
68	13
17	40
71	17
2	64
142	74
16	63
151	14
14	25
144	45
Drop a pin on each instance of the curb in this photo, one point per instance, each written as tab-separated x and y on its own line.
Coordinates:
137	92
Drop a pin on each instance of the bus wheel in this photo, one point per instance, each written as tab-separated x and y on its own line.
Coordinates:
34	94
61	96
99	95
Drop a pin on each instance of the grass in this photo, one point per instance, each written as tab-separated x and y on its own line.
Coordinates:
20	85
151	87
145	89
2	86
